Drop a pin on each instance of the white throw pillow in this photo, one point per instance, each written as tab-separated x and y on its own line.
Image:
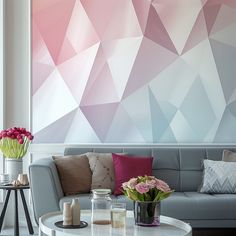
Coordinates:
218	177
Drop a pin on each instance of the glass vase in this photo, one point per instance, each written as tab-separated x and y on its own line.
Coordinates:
147	213
101	207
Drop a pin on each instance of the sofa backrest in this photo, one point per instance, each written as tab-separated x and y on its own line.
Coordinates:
180	167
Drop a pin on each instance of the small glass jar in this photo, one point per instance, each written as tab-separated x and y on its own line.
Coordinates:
101	206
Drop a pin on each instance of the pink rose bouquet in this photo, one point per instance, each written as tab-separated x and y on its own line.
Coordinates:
14	142
146	188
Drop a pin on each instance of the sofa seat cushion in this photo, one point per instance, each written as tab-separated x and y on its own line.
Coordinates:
196	206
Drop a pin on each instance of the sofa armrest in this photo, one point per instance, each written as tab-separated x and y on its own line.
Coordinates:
45	185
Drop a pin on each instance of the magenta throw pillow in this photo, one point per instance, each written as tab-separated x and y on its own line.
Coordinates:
127	167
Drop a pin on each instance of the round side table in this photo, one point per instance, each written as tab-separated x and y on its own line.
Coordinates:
9	188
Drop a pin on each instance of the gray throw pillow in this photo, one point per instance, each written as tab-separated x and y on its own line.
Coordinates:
218	177
229	156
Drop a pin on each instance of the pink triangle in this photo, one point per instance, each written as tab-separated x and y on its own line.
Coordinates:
103	89
99	13
124	22
52	23
40	74
231	3
198	33
75	72
80	32
42	64
210	13
156	31
226	16
67	51
150	61
38	5
98	64
100	117
142	10
217	2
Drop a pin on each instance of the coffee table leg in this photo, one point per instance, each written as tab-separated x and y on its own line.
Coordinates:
30	228
16	227
40	232
4	208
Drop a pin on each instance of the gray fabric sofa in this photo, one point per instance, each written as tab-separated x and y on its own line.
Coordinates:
181	167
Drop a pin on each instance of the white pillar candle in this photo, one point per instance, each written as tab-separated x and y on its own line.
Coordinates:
67	215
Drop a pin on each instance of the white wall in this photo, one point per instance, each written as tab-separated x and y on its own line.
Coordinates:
1	62
17	61
1	74
17	72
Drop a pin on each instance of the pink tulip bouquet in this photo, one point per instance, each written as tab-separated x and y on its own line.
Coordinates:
14	142
146	188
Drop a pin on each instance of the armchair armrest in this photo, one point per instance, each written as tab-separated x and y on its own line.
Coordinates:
45	187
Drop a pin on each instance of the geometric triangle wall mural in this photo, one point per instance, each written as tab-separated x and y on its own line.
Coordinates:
134	71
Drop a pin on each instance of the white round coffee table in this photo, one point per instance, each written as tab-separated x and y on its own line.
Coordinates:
169	226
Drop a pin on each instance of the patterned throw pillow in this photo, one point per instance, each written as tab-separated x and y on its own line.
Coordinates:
101	165
229	156
219	177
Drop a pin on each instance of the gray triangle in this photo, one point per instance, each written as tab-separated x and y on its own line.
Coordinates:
232	108
159	121
197	109
226	132
225	59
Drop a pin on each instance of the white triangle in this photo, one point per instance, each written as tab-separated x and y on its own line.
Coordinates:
81	131
121	55
178	18
201	60
52	101
182	130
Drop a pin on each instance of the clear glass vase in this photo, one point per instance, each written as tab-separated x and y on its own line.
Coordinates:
147	213
101	207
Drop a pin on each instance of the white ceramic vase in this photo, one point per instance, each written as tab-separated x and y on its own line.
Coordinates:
75	209
14	167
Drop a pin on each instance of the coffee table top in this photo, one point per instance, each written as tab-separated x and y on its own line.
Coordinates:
169	226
